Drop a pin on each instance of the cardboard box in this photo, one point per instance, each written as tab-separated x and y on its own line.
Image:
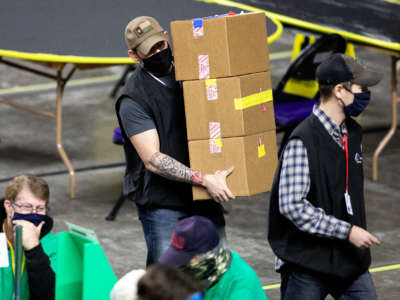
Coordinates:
220	47
228	107
254	158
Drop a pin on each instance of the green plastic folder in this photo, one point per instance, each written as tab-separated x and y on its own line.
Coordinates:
83	271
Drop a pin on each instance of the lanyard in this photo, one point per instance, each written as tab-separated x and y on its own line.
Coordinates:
347	199
346	150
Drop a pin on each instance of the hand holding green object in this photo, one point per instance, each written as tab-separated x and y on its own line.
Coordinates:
31	233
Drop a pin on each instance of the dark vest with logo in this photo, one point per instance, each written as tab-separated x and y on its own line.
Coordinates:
165	106
327	164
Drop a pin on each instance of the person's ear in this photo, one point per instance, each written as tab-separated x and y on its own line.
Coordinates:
8	208
337	91
7	204
132	54
167	35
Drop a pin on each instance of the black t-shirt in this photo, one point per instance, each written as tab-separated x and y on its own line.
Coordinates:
133	117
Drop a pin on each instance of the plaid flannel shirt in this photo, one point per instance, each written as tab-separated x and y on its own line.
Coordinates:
294	186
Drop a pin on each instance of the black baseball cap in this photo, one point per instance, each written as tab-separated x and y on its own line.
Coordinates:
339	68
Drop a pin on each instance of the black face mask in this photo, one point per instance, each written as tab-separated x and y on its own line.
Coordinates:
36	219
160	63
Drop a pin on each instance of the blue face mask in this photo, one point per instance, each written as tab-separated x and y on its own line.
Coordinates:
361	101
36	219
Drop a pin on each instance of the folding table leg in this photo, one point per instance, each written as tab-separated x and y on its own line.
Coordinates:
393	128
61	82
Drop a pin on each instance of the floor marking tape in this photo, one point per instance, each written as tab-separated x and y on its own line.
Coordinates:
372	270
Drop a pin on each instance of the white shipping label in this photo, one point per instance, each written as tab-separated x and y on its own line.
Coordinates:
204	67
211	89
215	130
4	263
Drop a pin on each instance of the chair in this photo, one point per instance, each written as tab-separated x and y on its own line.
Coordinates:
298	91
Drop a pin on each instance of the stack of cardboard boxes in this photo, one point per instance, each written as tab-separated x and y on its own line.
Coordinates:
224	65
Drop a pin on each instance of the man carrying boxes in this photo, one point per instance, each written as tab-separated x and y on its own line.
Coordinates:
224	64
152	119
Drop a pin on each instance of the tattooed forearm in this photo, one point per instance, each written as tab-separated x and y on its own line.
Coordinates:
170	168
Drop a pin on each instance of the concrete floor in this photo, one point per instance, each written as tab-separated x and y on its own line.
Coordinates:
28	145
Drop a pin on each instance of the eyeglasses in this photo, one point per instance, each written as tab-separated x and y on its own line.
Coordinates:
27	208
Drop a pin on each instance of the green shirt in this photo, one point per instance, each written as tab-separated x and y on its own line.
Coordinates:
49	245
239	282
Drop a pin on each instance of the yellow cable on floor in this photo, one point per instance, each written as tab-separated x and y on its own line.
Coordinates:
372	270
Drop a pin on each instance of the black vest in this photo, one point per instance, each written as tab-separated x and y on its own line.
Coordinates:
165	106
327	164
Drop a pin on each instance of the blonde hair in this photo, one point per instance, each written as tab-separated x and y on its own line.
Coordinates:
36	185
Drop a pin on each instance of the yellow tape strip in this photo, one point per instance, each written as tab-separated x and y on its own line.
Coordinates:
66	58
261	151
372	270
217	142
252	100
272	286
211	82
385	268
309	25
393	1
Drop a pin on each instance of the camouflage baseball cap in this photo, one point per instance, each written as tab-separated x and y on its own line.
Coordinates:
142	33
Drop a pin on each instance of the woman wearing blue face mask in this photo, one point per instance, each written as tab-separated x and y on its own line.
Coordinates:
26	204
